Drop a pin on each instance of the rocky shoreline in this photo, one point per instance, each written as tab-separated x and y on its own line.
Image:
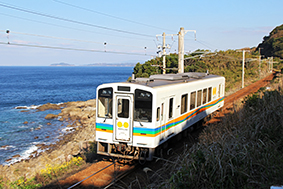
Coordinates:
80	117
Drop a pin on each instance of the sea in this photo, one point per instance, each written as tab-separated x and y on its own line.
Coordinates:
23	89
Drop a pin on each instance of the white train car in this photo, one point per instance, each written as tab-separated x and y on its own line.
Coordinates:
135	118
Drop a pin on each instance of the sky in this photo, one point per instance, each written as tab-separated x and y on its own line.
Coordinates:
44	32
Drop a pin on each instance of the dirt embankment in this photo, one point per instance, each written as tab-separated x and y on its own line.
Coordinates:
80	117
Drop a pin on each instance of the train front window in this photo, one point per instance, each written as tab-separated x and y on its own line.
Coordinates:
143	106
105	98
123	108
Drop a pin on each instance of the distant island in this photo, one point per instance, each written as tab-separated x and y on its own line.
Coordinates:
99	64
61	64
113	64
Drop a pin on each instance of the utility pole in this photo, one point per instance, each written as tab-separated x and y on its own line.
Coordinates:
164	53
259	62
243	68
181	48
270	64
164	46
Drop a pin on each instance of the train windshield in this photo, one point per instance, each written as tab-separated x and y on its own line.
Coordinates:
105	98
143	106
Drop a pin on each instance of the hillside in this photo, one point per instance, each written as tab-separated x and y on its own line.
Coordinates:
225	63
272	45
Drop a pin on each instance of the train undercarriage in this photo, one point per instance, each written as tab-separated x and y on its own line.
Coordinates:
125	152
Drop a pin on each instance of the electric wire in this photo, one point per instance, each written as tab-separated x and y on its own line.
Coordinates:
72	21
72	27
111	16
206	45
69	39
72	49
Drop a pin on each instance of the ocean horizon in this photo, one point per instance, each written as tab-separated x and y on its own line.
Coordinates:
23	130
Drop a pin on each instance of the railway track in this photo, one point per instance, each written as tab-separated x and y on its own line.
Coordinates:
104	174
229	100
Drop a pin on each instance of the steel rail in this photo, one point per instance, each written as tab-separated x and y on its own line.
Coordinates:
91	175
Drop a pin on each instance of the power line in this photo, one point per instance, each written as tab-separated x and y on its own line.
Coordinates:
72	49
111	16
69	27
72	21
69	39
204	44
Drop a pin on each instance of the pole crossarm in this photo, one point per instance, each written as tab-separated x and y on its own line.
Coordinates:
181	47
164	46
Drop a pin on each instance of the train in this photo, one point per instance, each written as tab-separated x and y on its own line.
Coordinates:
134	119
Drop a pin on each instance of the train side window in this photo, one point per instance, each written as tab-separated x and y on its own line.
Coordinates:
158	114
184	103
105	102
209	93
193	100
204	96
199	98
143	106
171	107
219	91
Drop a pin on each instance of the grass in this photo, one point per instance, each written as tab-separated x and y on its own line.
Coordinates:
46	176
245	150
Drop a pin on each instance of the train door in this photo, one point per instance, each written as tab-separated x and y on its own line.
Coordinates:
167	114
123	118
162	122
170	116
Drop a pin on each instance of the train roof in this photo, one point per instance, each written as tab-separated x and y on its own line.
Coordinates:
167	79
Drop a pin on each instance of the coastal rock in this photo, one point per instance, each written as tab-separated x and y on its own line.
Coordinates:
21	107
49	106
51	116
81	116
7	160
15	156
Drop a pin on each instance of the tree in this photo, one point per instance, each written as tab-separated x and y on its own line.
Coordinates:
272	45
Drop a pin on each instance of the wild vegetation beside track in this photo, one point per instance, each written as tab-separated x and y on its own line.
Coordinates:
245	150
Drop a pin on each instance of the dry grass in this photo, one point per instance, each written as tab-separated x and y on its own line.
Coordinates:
244	151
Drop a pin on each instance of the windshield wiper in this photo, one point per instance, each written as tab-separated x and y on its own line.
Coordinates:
106	116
